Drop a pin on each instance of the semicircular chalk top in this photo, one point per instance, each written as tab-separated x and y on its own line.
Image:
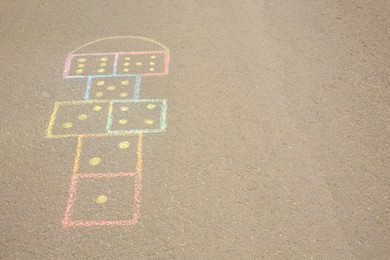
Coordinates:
118	56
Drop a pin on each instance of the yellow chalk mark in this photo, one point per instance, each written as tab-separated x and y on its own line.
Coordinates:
99	94
97	108
124	94
126	70
151	69
81	59
104	59
148	122
111	88
138	63
123	121
124	145
125	82
101	199
152	63
95	161
52	120
102	64
153	56
82	117
81	65
100	83
79	71
126	63
124	109
151	106
101	70
67	125
127	58
122	37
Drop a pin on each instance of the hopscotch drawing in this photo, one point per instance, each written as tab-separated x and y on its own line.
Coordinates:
110	114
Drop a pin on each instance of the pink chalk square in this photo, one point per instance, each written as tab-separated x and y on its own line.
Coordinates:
82	65
103	200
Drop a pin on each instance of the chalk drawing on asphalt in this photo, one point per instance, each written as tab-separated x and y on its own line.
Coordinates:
112	114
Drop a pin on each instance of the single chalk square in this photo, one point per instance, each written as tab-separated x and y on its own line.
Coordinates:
143	63
83	65
109	154
137	116
112	88
103	200
71	118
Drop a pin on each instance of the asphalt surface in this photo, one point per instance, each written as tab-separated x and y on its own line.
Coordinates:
276	143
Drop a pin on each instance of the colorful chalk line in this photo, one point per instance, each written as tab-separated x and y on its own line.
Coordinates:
111	78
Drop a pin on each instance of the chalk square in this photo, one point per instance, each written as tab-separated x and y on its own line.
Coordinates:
72	118
148	63
103	200
83	65
113	88
137	116
110	154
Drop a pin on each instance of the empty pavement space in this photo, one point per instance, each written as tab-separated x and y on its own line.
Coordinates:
215	130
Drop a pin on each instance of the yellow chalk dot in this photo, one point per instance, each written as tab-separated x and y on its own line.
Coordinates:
138	63
101	199
153	57
149	122
124	108
111	87
126	63
126	70
101	70
95	161
67	125
124	94
104	59
79	71
81	65
97	108
151	69
102	64
151	63
99	94
82	117
127	58
151	106
124	145
82	59
125	82
100	83
123	121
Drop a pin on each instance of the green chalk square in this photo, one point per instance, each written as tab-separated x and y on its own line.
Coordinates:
137	116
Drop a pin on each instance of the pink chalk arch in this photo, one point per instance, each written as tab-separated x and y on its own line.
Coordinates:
109	123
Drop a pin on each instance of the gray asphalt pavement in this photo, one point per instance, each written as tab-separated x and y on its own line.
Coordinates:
267	133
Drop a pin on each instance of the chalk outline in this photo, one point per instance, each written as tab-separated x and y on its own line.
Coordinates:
109	131
138	175
122	37
116	55
137	85
163	117
68	222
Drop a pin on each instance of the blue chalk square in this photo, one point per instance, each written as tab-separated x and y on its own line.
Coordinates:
113	88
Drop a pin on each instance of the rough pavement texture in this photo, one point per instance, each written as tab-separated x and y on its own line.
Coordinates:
277	143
